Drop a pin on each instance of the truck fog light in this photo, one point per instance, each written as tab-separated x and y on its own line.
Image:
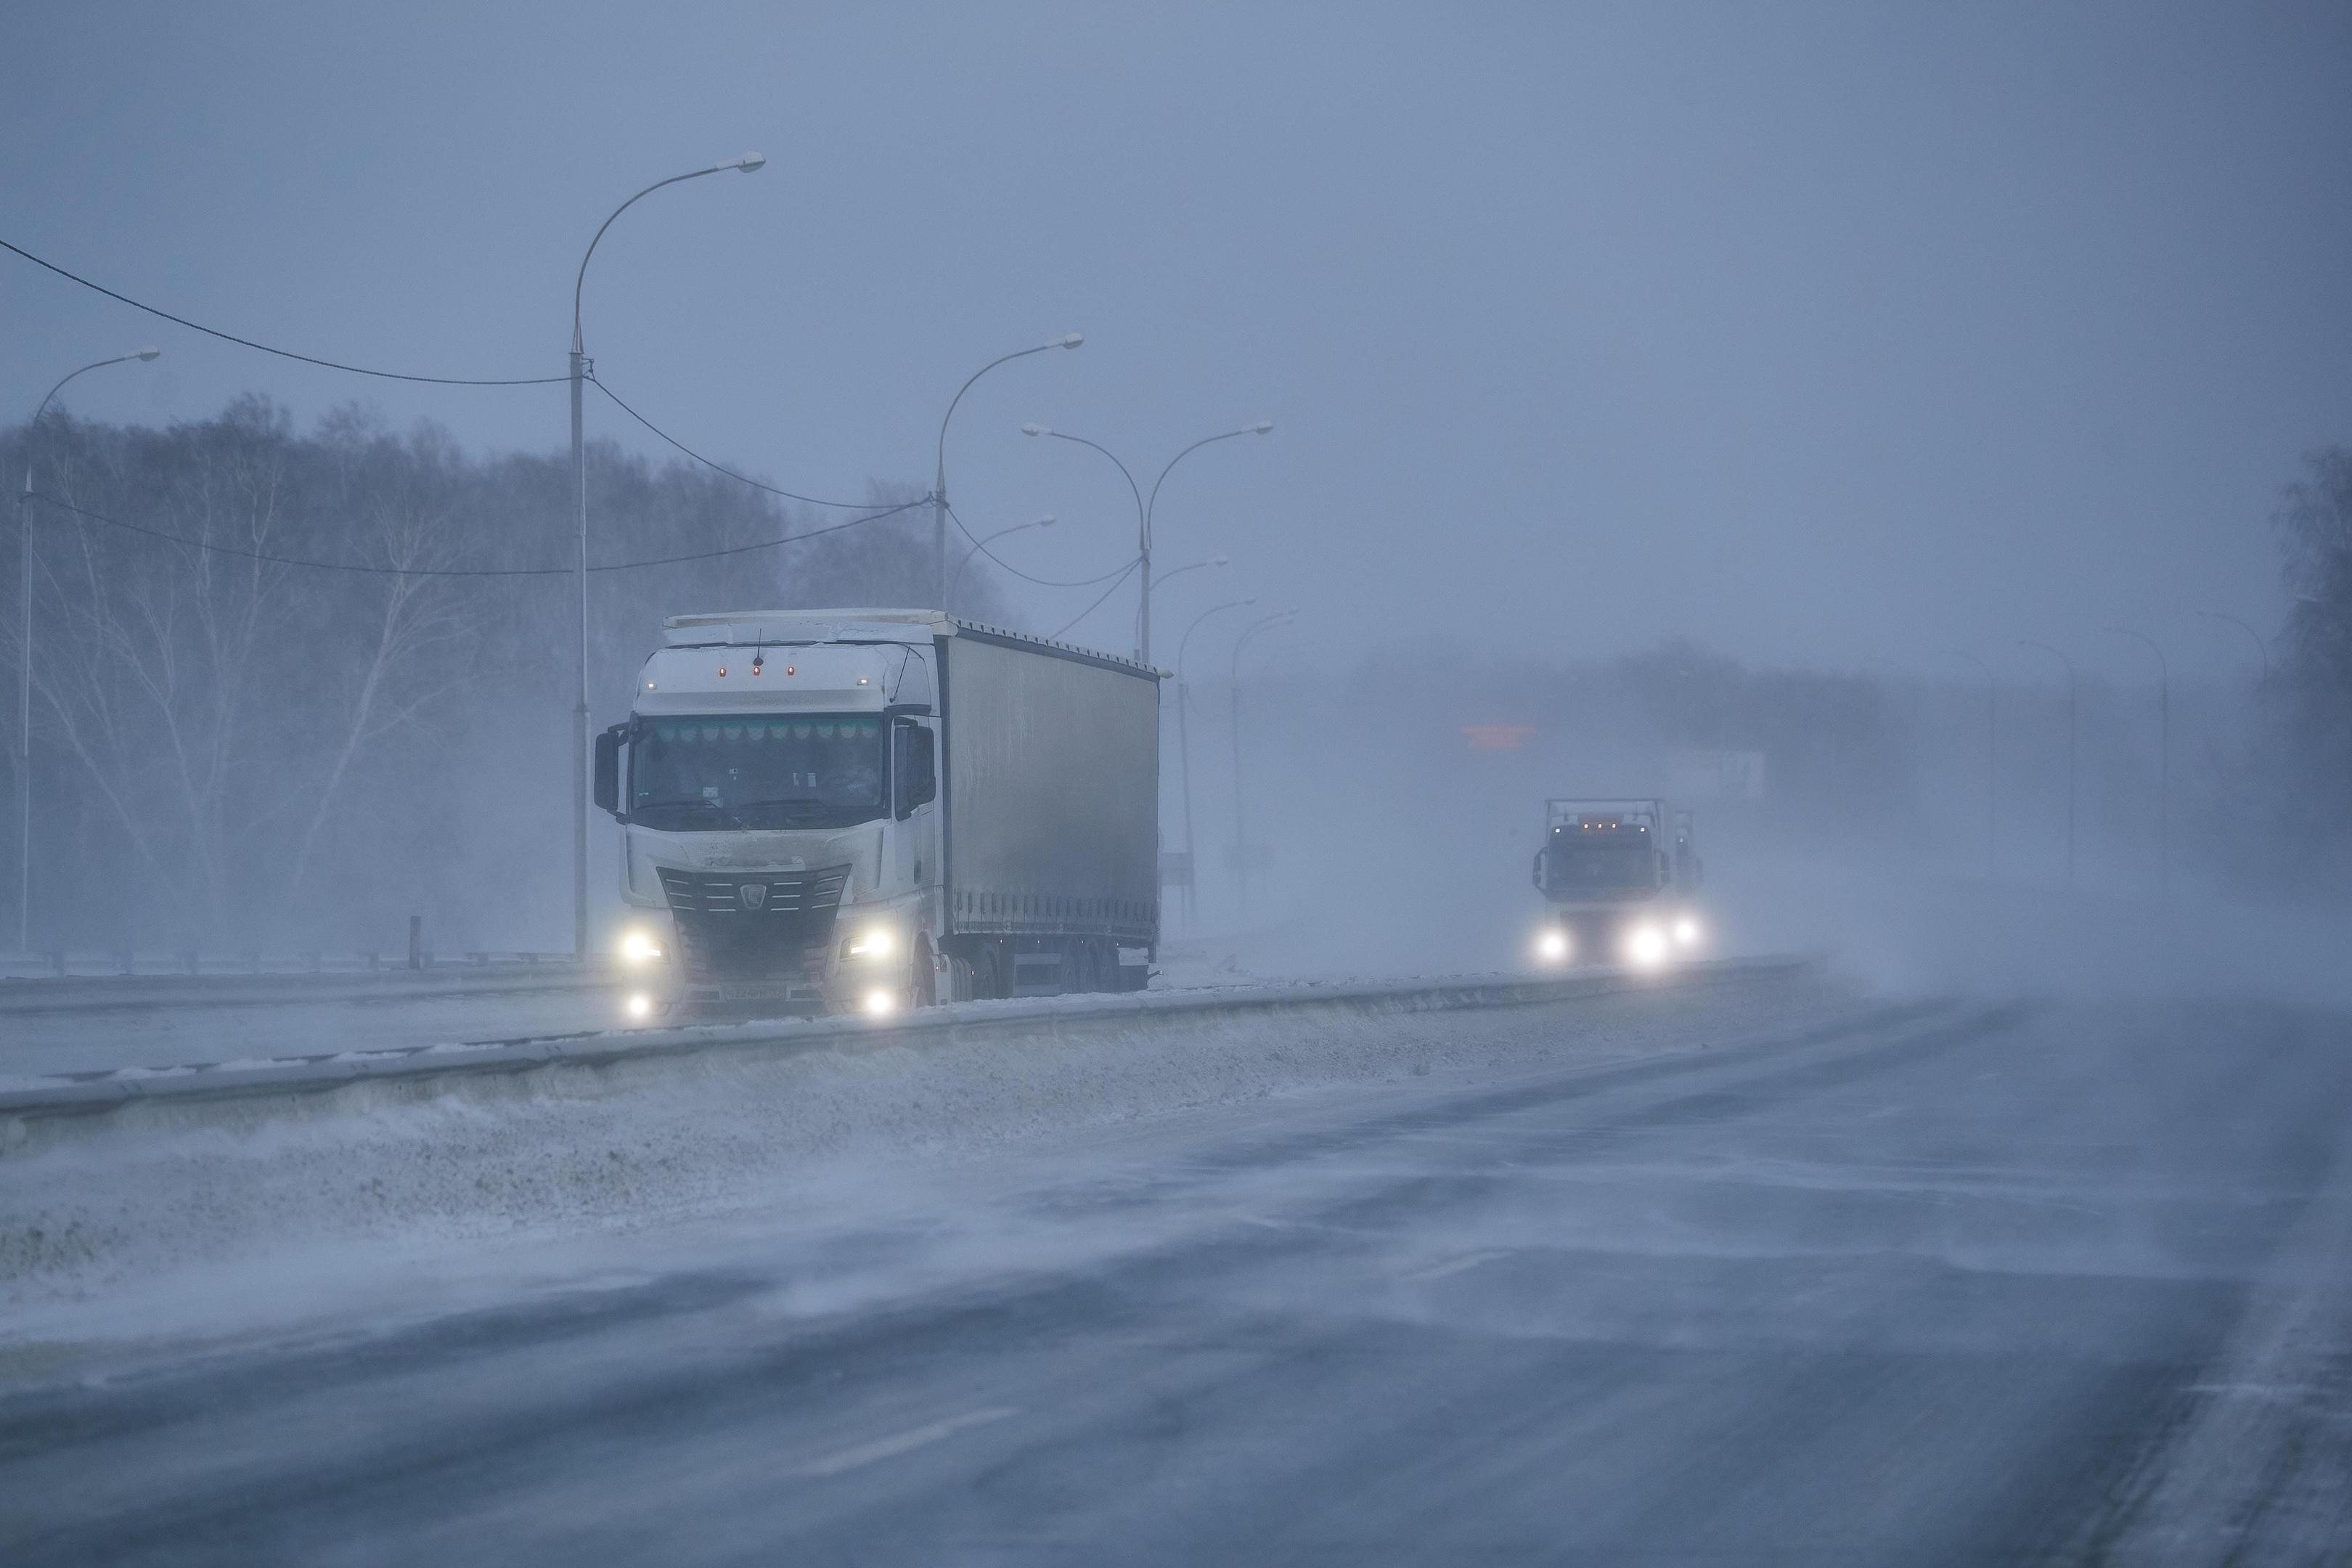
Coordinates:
1552	945
880	1004
639	1005
1687	931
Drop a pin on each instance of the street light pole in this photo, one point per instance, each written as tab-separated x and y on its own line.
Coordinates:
1184	755
2073	713
580	372
980	544
1992	763
2163	756
939	475
1151	508
1240	821
2262	643
1143	511
25	662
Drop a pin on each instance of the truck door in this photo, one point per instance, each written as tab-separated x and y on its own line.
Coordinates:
914	796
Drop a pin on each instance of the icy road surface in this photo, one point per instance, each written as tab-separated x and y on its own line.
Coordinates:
1772	1278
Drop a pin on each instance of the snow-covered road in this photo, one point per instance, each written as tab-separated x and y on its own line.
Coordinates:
1769	1275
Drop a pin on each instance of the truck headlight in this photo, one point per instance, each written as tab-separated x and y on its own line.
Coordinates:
1552	945
1645	945
1687	931
873	941
639	946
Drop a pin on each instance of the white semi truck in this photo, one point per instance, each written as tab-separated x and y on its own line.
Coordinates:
868	810
1621	879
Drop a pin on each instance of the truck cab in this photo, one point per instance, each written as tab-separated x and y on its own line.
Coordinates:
1621	878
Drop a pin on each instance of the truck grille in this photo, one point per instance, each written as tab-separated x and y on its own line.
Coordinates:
778	930
783	892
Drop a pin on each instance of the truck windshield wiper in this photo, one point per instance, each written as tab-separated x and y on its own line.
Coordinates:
797	804
687	803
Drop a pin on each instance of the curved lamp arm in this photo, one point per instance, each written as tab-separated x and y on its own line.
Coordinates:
1262	428
1186	640
1142	529
747	163
1066	340
145	353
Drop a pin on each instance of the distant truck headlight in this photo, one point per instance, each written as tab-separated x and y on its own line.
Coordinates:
1686	932
639	946
873	941
1552	946
1645	945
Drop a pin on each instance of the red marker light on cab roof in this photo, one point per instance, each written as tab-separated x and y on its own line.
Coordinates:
722	672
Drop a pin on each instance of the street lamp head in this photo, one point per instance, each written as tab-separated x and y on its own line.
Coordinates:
748	163
1034	430
148	353
1263	427
1072	340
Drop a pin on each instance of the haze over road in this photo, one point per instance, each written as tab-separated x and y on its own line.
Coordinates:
1918	1283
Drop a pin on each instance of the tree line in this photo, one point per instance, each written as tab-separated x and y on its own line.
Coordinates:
231	749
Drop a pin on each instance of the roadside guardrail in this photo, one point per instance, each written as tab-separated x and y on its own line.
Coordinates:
87	964
425	1070
153	990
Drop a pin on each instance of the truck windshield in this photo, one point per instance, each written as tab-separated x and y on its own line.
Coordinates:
1609	862
690	773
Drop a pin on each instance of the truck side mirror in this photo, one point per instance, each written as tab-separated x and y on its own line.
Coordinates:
608	771
914	768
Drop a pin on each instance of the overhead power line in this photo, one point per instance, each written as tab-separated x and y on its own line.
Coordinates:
281	354
1041	581
231	550
721	468
430	380
1107	592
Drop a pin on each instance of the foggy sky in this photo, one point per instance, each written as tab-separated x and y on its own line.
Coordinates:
1836	334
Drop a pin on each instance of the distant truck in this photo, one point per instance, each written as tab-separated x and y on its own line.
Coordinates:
868	810
1623	879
